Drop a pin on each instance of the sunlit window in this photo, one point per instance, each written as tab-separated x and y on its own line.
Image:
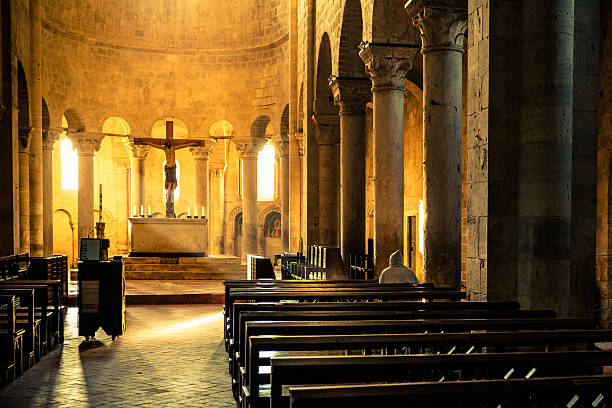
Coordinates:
177	191
69	166
265	173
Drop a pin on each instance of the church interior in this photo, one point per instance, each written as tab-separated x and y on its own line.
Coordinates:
474	136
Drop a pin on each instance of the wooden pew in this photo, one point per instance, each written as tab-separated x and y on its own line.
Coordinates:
432	343
312	286
323	315
286	371
593	391
11	341
25	320
391	305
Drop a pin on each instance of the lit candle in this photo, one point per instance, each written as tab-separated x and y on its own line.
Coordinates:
149	210
134	213
141	210
202	215
196	212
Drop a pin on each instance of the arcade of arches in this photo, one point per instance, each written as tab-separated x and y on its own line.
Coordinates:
475	135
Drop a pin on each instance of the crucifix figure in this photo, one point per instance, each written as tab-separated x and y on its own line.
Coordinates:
169	146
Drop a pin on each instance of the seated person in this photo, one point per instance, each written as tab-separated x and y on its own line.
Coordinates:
397	272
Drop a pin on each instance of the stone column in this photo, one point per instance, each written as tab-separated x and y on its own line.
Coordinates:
249	148
351	95
442	31
138	157
216	212
327	129
48	141
36	143
282	147
387	66
87	144
545	155
200	156
24	190
296	151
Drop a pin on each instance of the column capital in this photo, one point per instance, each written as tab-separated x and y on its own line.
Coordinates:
50	137
86	143
201	152
442	23
387	64
281	145
24	137
351	94
327	128
298	137
249	147
136	151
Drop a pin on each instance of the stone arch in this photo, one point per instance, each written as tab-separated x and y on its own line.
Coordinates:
259	126
116	125
23	103
74	120
158	128
351	35
221	128
284	123
124	117
263	214
46	119
382	24
323	95
64	233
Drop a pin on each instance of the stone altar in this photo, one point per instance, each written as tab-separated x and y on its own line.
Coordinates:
177	237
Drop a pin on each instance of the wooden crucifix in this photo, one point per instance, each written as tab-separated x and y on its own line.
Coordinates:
169	146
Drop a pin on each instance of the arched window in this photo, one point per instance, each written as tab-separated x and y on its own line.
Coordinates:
265	173
69	166
177	192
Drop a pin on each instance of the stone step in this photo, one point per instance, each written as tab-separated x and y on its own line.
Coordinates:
183	275
185	267
214	260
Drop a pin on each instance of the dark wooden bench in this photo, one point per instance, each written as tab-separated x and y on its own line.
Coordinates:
11	341
25	320
571	392
286	371
391	305
323	315
262	348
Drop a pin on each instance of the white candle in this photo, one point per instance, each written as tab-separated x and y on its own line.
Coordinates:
189	211
149	210
196	212
141	210
134	213
202	215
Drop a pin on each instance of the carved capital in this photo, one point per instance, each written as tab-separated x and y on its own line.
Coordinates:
202	152
442	24
350	94
50	137
136	151
298	139
249	147
86	143
24	137
281	145
387	65
327	128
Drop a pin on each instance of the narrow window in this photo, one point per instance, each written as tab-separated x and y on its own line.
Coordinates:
69	166
265	173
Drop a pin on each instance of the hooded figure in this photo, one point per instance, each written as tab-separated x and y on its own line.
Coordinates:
397	272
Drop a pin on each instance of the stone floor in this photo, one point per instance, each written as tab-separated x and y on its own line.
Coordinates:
170	356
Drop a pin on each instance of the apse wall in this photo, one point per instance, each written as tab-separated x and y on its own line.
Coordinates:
198	60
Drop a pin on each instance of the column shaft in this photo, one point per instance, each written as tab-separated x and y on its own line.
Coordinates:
86	195
328	193
388	125
249	204
36	148
284	197
216	213
24	200
137	177
442	30
201	186
352	181
48	201
295	192
545	158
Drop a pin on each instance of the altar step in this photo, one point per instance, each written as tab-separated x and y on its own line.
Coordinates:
213	267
